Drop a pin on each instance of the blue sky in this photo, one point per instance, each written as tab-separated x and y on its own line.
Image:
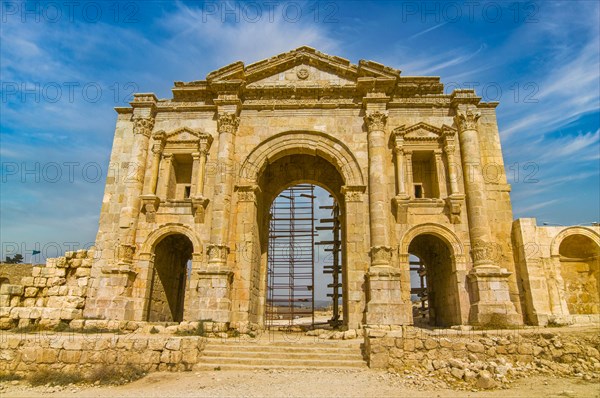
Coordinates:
64	67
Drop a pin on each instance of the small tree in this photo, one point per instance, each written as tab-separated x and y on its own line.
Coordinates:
16	259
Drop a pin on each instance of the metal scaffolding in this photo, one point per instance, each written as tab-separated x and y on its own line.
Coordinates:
421	291
333	264
291	271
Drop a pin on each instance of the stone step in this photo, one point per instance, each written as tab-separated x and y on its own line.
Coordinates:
350	355
262	363
211	366
282	348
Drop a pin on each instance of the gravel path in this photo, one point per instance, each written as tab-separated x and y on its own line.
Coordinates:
302	383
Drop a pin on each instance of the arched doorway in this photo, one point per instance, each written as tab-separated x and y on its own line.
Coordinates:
281	161
304	272
580	269
434	288
172	256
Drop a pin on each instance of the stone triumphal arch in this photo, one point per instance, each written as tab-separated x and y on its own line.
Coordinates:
418	176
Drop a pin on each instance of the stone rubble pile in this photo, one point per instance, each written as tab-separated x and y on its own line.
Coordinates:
486	361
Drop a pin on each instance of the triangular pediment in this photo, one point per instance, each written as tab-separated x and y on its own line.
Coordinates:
182	134
423	131
301	66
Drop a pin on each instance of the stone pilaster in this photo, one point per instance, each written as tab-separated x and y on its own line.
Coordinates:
199	201
489	283
150	201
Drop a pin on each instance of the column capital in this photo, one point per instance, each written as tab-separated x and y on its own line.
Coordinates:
375	120
143	125
227	122
467	119
167	155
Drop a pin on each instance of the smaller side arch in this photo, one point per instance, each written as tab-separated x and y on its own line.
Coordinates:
170	229
570	231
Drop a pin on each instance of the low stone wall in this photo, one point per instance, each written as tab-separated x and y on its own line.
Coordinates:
486	359
84	353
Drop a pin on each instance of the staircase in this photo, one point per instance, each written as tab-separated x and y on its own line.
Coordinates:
302	354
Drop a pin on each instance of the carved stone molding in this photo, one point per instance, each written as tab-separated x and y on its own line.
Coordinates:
227	122
454	205
353	193
466	120
375	120
199	205
247	193
381	255
150	205
204	143
143	125
401	204
217	253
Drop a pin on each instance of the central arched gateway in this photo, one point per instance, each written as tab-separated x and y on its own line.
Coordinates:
282	161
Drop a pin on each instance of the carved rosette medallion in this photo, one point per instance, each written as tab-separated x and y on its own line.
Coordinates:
375	121
217	253
302	73
466	120
227	122
381	255
143	125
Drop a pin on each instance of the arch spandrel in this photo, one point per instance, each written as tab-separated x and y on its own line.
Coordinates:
301	142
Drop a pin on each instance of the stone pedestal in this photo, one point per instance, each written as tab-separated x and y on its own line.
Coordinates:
491	299
385	305
208	297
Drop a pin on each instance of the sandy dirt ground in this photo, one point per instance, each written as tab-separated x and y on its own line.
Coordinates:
300	383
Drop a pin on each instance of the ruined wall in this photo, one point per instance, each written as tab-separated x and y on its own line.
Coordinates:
558	268
53	292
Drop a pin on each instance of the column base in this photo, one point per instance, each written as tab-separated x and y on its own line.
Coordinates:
385	305
491	304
